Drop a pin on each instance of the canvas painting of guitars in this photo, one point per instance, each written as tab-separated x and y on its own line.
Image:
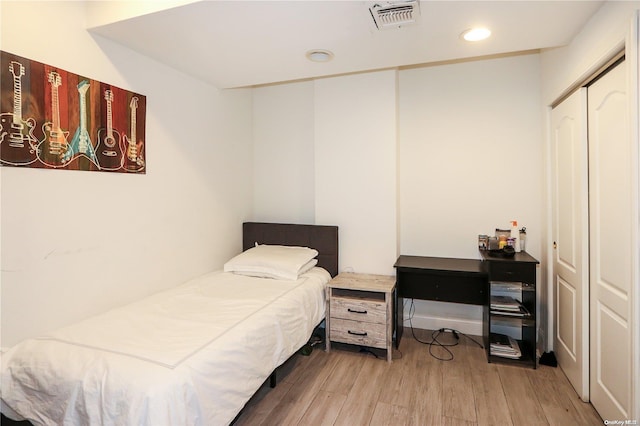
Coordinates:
41	106
109	151
19	144
81	144
134	160
54	146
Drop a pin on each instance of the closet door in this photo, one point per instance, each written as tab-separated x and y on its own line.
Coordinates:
611	172
570	230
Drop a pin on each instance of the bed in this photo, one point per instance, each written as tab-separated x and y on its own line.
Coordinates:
190	355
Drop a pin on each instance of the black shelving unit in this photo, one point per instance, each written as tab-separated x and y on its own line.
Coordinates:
512	276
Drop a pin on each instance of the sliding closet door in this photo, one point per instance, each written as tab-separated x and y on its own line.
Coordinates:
570	228
611	172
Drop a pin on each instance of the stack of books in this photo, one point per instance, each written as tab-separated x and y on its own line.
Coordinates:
507	305
504	346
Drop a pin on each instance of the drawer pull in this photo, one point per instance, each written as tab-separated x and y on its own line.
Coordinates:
356	333
355	311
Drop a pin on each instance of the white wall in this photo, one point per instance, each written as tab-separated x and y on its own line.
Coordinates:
355	152
469	154
106	12
602	36
284	170
325	153
470	161
76	243
422	161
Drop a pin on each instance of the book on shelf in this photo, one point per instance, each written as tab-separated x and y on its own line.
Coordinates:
504	346
508	305
509	285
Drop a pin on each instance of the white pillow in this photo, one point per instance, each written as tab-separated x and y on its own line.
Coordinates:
273	261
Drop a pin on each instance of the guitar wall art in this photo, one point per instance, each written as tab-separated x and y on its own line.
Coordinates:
53	119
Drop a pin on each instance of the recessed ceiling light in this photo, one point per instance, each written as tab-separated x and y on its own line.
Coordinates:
319	55
476	34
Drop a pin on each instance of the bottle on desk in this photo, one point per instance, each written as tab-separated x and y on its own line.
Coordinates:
515	234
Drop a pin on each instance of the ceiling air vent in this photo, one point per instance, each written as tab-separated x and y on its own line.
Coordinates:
387	15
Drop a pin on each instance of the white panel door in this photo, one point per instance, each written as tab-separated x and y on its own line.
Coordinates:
570	227
611	171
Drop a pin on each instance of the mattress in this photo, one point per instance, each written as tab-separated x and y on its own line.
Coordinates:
192	355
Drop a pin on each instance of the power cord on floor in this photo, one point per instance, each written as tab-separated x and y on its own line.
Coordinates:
366	350
434	338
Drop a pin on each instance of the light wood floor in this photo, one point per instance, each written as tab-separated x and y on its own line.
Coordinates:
344	387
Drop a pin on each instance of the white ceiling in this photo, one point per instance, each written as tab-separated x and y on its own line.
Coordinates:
243	43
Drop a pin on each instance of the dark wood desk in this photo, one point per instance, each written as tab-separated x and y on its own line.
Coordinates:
438	278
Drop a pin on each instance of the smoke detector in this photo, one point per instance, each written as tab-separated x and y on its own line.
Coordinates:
390	14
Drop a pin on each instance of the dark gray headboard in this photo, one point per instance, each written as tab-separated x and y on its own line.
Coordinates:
320	237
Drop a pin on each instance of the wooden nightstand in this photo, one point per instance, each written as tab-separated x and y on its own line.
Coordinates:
360	310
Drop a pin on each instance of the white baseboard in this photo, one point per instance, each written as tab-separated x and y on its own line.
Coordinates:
425	322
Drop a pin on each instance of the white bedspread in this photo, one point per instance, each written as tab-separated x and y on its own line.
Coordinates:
192	355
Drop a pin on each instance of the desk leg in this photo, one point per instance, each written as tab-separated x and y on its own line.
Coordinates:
398	313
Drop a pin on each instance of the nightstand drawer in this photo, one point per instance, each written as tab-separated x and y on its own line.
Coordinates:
359	333
359	309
